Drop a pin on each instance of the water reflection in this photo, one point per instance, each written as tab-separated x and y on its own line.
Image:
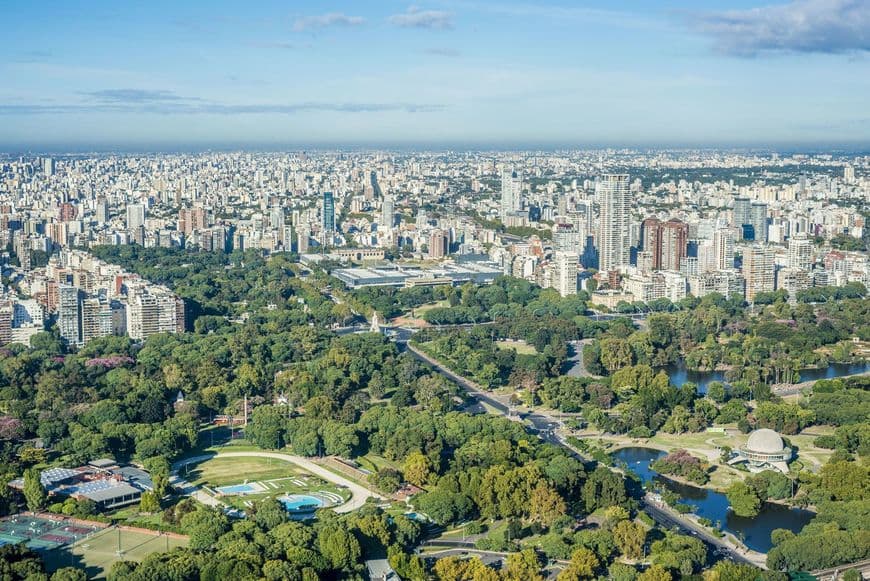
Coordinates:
713	505
680	375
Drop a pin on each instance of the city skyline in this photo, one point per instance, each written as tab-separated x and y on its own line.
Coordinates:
161	76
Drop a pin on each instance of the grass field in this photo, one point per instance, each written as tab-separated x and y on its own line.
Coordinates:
521	347
225	471
97	552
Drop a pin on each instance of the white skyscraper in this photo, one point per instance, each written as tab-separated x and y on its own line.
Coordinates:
613	195
135	216
849	174
388	213
723	249
800	252
758	270
511	193
566	273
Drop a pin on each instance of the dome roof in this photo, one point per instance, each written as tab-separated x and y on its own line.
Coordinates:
765	441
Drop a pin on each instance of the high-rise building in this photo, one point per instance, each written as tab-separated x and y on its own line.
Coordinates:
438	244
565	276
613	197
192	219
328	212
758	270
7	314
135	216
651	230
153	310
96	317
102	211
849	174
67	212
48	166
276	218
723	249
388	213
68	321
800	252
674	244
793	281
302	240
666	242
742	215
511	193
758	220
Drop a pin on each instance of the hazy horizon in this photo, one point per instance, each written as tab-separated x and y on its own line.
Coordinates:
745	73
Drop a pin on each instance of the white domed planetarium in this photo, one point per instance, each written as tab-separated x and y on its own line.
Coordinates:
764	450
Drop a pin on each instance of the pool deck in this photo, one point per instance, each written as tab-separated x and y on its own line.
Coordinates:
359	494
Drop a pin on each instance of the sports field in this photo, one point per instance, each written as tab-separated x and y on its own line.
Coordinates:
97	552
227	471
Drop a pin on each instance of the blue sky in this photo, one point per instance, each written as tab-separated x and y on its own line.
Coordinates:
448	72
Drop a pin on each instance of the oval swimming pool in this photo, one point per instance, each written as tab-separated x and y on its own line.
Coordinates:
301	502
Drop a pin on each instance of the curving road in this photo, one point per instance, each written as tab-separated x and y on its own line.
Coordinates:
544	426
358	497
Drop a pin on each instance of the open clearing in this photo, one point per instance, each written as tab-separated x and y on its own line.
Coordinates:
521	347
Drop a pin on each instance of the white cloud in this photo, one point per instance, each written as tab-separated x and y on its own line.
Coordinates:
801	26
414	17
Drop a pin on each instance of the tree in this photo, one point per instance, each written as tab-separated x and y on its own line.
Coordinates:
523	566
456	569
34	492
615	353
729	571
603	488
629	537
269	513
340	547
583	565
621	572
204	526
443	506
69	574
417	469
655	573
845	481
266	428
743	499
545	504
716	391
406	566
149	503
158	469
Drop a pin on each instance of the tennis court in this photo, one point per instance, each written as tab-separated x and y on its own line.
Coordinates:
42	533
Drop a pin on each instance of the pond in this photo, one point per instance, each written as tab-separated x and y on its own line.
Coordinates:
679	374
755	532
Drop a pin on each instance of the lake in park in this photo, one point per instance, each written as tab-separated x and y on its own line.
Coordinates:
680	375
755	532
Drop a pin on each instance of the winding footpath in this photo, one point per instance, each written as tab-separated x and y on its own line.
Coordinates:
359	494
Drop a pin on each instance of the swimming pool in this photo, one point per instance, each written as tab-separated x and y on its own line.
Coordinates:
238	489
301	502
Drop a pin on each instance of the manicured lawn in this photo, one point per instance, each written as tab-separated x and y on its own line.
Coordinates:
98	552
429	306
521	347
227	471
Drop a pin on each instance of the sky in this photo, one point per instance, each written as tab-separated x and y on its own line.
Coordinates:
261	73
